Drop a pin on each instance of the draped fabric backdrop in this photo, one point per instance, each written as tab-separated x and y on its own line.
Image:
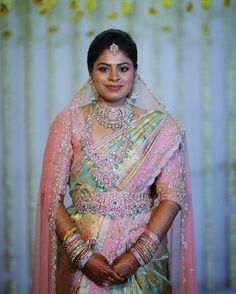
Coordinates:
186	54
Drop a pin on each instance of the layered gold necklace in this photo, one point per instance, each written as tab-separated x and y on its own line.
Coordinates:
104	165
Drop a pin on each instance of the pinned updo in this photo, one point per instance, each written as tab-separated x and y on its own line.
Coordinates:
105	39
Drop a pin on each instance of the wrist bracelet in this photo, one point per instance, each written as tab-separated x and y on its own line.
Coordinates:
69	233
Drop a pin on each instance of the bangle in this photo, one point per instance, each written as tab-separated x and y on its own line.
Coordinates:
69	233
83	257
145	247
77	250
137	256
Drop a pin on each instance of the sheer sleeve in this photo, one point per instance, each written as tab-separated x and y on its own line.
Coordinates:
173	183
170	184
56	168
57	158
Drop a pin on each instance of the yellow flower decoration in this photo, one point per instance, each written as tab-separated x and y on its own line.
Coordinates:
189	6
90	33
167	3
5	7
113	15
227	2
206	4
49	3
52	3
6	33
75	4
91	5
206	30
53	29
77	15
44	9
127	7
39	2
166	29
45	5
152	10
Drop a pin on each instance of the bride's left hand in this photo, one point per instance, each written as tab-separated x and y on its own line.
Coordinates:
125	265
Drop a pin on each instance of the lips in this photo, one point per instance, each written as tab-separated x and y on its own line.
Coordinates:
114	88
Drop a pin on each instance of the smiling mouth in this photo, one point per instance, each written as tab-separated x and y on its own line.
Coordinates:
114	88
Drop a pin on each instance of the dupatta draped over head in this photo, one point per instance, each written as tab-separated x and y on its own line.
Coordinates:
162	149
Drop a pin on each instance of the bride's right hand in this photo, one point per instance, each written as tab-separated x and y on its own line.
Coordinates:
98	270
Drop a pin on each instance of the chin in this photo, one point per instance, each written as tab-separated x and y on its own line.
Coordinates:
113	98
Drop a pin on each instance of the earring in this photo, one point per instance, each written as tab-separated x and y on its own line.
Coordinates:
93	96
133	94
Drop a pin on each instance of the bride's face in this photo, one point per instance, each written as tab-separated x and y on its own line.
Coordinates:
113	77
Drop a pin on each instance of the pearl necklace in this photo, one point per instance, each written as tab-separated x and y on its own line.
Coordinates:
113	117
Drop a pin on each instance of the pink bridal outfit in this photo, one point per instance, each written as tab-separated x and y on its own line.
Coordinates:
113	219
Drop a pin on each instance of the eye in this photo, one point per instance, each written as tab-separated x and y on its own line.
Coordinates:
123	69
103	69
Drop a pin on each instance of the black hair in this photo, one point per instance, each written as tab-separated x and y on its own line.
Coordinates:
105	39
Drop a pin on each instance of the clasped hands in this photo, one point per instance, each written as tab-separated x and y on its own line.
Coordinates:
102	273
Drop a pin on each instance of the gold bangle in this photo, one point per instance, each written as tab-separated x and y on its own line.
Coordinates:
69	233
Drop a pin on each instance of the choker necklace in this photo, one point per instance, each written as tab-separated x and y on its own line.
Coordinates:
113	117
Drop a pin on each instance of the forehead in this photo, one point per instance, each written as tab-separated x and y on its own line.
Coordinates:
107	56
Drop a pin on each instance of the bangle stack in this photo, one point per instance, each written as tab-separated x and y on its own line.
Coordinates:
77	250
145	247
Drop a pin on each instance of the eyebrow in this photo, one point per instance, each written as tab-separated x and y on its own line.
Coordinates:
108	64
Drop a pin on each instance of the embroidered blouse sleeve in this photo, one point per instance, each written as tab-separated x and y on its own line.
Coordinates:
170	184
57	157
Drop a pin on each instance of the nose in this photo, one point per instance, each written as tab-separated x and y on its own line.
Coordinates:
114	75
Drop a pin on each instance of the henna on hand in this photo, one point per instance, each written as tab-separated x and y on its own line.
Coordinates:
125	265
98	270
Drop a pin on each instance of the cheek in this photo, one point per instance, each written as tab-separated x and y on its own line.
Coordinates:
130	82
97	81
131	77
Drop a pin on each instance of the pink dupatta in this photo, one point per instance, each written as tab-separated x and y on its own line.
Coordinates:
56	167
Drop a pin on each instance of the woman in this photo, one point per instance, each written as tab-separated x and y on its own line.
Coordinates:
127	173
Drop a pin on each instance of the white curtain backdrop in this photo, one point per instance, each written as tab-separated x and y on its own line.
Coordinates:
186	55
